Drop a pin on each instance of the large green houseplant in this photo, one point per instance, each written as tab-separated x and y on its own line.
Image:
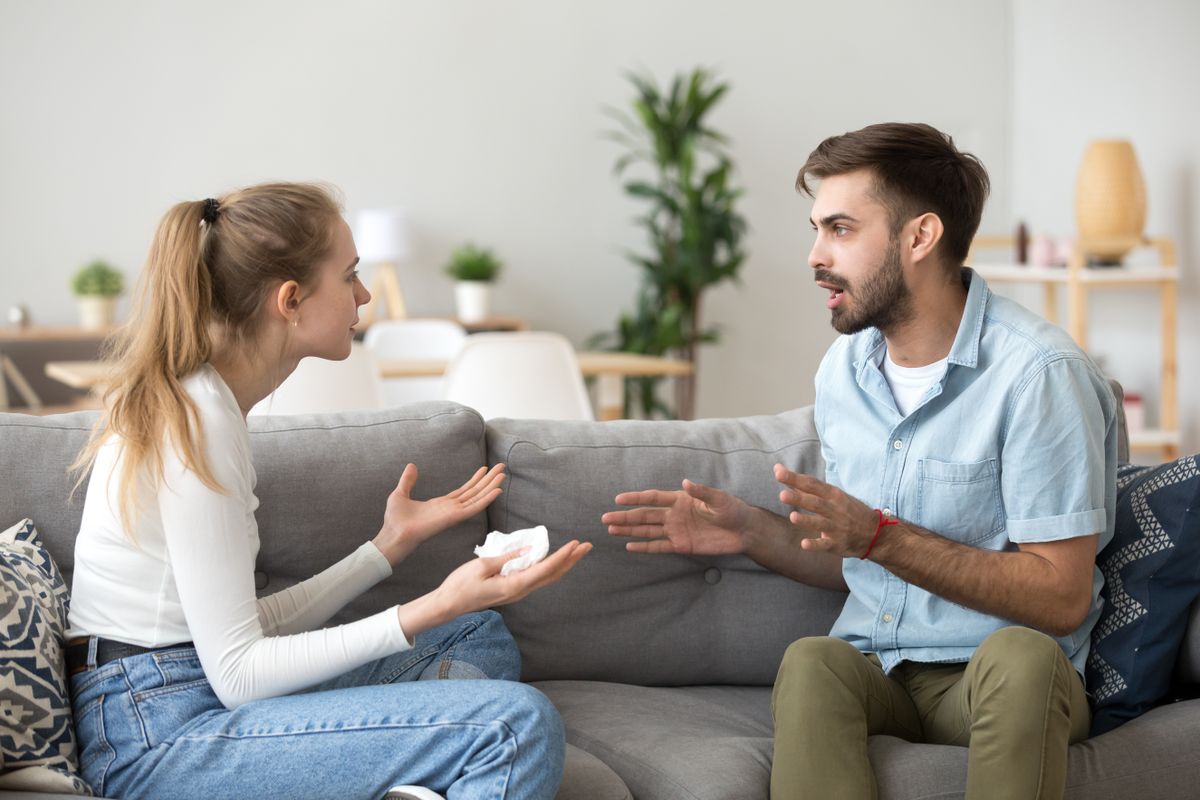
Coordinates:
695	233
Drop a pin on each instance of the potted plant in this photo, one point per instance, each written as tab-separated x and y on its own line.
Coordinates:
474	269
97	287
693	227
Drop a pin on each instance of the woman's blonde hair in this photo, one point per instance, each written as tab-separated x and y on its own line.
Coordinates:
210	269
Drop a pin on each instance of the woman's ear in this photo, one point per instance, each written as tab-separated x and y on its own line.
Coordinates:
286	305
927	232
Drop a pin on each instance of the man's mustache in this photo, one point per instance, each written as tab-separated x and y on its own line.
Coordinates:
825	276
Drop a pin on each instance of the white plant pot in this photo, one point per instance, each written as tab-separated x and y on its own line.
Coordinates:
473	299
97	313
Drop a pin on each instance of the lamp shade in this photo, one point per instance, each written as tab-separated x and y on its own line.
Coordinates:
1110	198
381	234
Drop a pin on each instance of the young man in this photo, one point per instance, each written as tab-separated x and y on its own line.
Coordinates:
970	452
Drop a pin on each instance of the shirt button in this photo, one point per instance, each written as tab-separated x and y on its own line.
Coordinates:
887	512
897	444
887	617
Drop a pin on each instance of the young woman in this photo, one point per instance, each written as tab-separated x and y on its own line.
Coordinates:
187	685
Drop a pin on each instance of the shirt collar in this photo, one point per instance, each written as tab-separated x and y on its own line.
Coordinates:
965	350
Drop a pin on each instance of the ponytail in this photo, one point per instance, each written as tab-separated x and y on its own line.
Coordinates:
211	265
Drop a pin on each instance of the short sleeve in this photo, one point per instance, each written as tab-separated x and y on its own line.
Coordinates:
1059	454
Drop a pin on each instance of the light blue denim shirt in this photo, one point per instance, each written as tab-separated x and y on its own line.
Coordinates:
1016	443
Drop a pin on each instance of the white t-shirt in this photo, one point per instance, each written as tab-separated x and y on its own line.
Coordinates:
187	572
909	384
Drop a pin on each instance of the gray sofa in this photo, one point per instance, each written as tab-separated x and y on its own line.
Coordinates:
661	665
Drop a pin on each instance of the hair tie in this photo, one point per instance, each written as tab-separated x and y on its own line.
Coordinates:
211	208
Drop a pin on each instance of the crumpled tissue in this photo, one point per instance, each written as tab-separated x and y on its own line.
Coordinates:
497	543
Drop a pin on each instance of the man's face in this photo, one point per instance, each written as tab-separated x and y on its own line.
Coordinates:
856	258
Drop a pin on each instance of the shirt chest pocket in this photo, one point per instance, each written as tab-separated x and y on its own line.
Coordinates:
960	501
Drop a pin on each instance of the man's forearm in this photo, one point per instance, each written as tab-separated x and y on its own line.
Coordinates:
1014	585
774	542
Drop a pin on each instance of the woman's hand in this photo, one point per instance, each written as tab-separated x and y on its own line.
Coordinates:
477	585
408	522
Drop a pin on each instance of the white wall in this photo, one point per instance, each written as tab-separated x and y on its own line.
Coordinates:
1114	69
484	118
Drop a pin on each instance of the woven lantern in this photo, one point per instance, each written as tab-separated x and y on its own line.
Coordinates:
1110	199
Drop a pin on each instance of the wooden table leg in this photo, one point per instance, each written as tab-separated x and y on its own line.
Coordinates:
610	396
9	370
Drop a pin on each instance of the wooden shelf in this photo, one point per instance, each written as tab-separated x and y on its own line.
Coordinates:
1154	439
1091	276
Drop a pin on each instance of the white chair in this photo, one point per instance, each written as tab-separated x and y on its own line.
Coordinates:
320	386
414	338
523	375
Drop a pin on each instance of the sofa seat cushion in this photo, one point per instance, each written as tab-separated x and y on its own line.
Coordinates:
715	742
654	619
586	777
687	743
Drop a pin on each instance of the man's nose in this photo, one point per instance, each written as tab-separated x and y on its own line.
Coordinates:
817	257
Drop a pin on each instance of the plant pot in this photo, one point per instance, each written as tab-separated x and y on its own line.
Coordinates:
97	313
473	299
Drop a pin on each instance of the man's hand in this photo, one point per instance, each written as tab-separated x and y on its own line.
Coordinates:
408	522
699	520
844	525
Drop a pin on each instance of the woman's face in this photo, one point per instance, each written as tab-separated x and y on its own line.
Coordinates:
328	313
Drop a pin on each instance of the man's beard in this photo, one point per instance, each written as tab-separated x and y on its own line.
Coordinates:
882	300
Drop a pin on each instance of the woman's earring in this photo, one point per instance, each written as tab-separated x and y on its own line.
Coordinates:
295	322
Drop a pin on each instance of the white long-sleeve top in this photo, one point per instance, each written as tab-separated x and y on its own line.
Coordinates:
186	572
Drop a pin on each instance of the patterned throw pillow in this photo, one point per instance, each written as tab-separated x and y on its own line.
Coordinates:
37	738
1151	576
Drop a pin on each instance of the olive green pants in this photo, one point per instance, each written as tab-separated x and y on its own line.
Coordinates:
1017	705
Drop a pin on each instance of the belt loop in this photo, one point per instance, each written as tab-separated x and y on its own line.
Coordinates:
93	641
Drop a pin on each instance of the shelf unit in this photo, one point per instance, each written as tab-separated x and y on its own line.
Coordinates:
1078	279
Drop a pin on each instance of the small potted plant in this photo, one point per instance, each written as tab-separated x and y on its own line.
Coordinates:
474	269
97	287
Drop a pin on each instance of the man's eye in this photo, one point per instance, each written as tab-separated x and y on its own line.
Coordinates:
840	230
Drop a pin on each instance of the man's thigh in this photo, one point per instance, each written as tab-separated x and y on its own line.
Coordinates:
823	679
1012	669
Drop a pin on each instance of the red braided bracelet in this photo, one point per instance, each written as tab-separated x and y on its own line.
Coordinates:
883	521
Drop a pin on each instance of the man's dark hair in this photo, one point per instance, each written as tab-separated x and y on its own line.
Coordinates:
917	170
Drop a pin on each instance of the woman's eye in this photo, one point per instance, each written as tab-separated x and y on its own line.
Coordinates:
353	277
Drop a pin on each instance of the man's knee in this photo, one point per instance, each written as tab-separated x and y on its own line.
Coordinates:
1019	649
823	654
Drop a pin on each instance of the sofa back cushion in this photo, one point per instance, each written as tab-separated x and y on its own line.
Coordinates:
654	619
35	453
323	481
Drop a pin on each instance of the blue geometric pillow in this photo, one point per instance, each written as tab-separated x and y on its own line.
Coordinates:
1151	576
37	737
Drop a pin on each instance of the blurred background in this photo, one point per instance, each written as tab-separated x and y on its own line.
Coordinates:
485	121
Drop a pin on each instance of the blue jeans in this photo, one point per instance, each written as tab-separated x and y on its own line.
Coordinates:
150	726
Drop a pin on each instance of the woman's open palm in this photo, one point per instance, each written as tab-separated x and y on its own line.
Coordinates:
408	522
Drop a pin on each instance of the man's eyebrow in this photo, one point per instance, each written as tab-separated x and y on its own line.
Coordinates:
838	216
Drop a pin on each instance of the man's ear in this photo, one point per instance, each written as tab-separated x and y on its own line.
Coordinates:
927	231
286	302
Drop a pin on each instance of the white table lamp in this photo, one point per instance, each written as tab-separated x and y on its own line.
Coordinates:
381	235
